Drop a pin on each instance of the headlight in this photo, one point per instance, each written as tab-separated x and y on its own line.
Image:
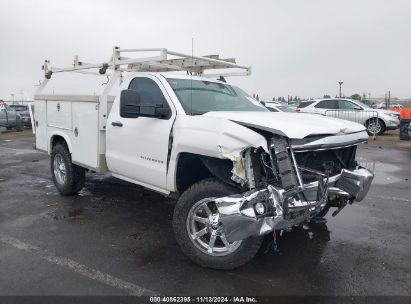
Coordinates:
259	208
393	115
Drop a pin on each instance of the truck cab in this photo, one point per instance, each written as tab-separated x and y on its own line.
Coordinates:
8	116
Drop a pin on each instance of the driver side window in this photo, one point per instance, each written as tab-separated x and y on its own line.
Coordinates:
150	93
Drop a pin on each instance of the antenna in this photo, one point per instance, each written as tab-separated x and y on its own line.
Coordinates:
191	76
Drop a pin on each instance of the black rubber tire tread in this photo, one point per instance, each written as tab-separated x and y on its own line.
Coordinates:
76	175
211	187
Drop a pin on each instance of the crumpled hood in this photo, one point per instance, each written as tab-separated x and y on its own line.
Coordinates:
291	125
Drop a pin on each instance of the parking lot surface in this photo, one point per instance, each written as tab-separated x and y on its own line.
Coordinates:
115	238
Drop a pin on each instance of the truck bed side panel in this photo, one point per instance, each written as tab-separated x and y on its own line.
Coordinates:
77	122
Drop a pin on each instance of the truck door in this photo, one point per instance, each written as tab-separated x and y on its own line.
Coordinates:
12	116
7	116
137	148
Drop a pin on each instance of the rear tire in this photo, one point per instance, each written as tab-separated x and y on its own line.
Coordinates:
68	178
223	255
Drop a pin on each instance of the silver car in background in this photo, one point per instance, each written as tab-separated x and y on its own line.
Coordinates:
377	121
9	117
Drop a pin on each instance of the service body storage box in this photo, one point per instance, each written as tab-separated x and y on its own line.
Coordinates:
76	120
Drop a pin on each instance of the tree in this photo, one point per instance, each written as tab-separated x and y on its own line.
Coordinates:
356	96
326	96
273	98
256	97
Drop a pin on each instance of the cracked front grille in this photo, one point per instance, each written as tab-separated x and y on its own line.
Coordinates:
330	161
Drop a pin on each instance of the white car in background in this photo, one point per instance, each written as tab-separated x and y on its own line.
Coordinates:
377	121
383	105
279	107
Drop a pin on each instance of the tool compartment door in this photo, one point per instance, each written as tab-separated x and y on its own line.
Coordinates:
85	134
59	114
40	124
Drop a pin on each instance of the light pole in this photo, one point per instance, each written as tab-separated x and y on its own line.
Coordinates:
12	96
340	83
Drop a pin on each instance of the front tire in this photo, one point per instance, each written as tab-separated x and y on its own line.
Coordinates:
201	235
68	178
375	127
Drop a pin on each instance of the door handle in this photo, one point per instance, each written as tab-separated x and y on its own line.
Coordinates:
116	124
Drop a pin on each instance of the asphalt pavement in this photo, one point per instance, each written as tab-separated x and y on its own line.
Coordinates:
115	238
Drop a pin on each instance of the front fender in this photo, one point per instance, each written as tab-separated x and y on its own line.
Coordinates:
210	136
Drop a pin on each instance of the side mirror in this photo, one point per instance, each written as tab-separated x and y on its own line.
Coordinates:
129	104
357	108
162	112
131	107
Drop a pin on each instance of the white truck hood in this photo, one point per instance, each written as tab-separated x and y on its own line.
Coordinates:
291	125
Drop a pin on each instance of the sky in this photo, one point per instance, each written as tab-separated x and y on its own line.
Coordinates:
295	47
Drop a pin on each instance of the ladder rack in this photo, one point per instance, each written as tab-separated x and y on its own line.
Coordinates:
164	60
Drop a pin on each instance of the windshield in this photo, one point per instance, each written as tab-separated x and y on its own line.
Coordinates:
19	108
286	108
202	96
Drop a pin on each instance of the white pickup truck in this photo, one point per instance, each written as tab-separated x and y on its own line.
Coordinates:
237	170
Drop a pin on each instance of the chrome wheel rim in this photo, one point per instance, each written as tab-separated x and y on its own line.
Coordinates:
206	231
60	171
374	127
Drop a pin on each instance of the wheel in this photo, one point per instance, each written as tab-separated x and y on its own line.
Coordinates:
375	127
200	233
68	178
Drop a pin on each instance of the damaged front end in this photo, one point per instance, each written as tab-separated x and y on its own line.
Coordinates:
288	188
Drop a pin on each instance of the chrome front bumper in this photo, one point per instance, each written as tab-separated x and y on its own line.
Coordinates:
281	211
